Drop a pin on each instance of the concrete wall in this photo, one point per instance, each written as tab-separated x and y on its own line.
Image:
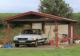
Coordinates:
36	25
49	30
62	29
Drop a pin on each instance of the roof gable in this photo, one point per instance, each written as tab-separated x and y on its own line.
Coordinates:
40	14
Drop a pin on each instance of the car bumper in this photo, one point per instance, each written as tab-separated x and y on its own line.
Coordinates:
25	42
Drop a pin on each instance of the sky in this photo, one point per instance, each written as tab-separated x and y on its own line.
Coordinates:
75	4
18	6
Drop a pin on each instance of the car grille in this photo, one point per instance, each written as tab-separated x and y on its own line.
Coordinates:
22	38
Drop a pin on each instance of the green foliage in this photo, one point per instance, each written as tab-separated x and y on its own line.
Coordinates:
1	26
76	16
2	17
56	7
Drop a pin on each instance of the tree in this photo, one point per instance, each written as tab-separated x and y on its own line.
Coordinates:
56	7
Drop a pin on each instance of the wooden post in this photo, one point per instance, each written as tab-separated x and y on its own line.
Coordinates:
8	32
56	34
69	32
74	32
71	28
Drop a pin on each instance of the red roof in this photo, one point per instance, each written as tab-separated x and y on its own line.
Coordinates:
40	14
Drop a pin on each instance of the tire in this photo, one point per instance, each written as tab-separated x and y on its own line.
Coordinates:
44	42
16	45
28	45
36	44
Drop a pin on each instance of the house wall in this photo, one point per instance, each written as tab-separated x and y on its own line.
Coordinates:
62	29
49	30
36	25
50	27
27	26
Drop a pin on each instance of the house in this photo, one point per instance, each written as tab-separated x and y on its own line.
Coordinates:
52	26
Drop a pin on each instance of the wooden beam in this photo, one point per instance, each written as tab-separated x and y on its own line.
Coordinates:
74	32
56	34
43	27
71	32
8	32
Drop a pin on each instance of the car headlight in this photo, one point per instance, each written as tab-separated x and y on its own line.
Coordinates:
15	38
33	38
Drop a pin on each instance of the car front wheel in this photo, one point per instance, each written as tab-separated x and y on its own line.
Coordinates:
16	45
36	44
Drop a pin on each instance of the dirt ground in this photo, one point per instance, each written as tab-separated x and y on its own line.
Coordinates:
49	46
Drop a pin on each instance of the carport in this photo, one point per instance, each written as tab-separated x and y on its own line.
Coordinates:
45	22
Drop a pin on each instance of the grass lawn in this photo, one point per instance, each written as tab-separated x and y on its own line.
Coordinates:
75	51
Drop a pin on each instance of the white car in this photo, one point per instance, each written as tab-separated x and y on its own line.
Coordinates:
30	37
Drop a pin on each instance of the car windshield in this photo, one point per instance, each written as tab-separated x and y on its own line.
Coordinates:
32	31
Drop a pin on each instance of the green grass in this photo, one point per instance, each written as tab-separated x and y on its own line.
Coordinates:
40	52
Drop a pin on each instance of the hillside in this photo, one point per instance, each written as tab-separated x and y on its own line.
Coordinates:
76	16
4	15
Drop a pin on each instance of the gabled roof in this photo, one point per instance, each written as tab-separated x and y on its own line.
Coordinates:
40	14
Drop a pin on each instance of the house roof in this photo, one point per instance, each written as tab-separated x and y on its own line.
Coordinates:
40	14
